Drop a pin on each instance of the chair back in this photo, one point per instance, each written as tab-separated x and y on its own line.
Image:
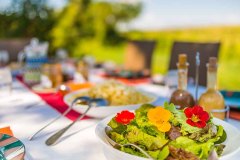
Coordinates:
206	50
138	55
13	47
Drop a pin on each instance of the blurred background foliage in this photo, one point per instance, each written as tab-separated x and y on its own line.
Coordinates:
82	22
229	56
78	23
26	19
92	27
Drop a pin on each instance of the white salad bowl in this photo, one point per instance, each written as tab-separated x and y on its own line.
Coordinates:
231	151
104	111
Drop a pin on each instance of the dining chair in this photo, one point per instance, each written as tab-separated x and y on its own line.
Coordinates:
138	55
206	50
13	47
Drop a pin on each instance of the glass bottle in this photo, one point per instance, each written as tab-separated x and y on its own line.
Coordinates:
212	98
32	71
83	69
181	97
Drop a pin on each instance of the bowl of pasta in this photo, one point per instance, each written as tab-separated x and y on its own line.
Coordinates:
119	96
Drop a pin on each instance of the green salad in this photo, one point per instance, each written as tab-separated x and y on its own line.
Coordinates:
168	133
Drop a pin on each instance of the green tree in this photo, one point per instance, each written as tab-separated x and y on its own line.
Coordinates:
26	18
73	24
86	21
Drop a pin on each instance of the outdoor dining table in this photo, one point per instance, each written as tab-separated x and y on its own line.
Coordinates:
79	143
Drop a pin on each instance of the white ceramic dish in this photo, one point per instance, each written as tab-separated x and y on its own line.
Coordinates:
104	111
232	143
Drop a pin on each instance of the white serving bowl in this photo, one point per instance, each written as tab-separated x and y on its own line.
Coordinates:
232	143
104	111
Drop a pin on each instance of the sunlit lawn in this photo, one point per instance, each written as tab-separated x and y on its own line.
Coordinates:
229	58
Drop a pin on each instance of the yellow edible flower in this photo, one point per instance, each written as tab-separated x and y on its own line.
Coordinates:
159	117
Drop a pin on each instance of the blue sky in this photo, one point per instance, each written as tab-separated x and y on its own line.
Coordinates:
187	13
161	14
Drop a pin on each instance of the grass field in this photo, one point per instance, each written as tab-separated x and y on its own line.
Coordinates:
229	58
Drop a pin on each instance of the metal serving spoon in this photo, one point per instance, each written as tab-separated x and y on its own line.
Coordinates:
92	103
117	145
75	101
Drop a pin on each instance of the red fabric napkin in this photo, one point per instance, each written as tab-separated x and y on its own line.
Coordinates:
234	114
55	100
132	82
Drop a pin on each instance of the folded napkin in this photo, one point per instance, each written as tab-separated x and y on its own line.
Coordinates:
10	147
77	86
55	100
6	130
232	98
129	81
135	81
234	114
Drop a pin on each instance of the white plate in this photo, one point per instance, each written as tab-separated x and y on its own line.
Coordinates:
232	143
104	111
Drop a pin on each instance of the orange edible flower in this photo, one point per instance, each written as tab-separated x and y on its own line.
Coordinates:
160	117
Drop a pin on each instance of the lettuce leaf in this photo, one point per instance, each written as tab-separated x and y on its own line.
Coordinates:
137	136
219	149
221	134
208	132
163	154
142	121
157	154
193	141
132	151
199	149
179	119
117	127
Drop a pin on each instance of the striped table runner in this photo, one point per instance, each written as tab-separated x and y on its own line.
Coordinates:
11	148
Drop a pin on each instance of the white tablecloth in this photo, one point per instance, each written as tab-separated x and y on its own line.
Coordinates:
82	143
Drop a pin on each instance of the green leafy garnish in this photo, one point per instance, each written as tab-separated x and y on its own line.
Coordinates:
182	140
